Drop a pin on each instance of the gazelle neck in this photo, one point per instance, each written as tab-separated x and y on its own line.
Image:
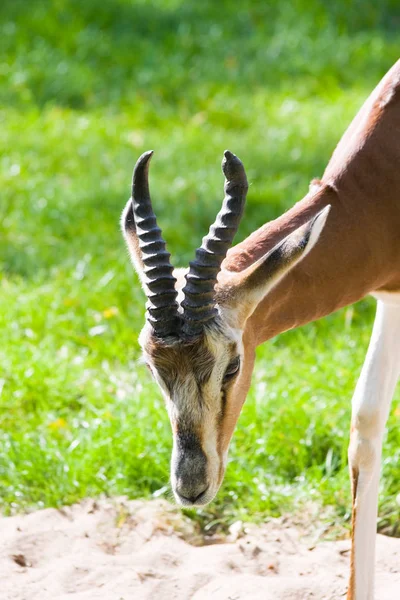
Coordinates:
350	260
359	249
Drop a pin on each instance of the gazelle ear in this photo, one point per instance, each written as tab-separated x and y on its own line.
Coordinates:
238	294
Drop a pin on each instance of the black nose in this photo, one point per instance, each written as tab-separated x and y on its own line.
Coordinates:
196	492
190	469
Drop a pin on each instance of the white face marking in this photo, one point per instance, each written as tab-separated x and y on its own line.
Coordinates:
191	379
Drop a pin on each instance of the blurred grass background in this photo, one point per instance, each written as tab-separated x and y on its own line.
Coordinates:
85	87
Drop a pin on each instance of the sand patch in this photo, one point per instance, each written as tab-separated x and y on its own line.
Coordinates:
125	550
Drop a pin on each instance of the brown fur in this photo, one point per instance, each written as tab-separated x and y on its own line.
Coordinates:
359	249
176	361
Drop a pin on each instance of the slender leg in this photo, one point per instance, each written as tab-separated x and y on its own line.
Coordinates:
370	409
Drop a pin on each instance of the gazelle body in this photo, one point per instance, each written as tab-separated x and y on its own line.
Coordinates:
201	334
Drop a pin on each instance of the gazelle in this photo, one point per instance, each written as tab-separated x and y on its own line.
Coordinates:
339	243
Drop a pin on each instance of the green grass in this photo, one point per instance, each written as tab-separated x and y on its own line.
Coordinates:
85	87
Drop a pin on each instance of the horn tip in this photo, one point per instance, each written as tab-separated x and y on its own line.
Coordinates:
144	158
142	165
229	156
232	166
147	155
230	159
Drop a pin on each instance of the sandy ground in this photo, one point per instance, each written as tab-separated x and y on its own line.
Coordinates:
125	550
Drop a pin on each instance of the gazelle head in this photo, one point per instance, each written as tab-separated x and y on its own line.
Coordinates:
194	339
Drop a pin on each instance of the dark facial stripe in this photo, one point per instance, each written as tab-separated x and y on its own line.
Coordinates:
188	441
223	409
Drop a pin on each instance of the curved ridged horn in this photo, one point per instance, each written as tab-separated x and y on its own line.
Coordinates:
198	304
159	283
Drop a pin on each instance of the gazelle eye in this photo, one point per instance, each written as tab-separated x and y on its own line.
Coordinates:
232	369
